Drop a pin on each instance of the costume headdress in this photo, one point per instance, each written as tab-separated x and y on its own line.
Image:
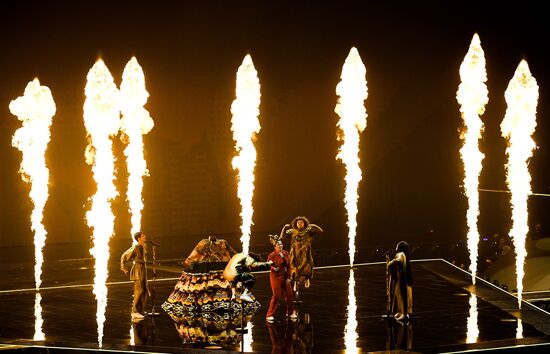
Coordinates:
273	239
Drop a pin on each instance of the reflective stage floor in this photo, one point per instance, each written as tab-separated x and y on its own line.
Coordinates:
342	311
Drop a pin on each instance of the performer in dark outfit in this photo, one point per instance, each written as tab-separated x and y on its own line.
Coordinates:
138	254
280	281
399	283
238	271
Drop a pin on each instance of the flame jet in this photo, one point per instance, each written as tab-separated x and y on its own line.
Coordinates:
473	96
35	109
245	125
352	92
517	127
102	120
135	122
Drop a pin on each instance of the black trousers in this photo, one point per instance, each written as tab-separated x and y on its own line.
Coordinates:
247	279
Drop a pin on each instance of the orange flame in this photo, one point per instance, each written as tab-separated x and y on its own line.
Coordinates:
102	120
135	122
517	127
245	125
352	92
472	95
35	109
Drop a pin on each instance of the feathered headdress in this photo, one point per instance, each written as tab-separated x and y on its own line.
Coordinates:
273	239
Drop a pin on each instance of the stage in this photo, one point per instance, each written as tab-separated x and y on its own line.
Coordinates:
450	315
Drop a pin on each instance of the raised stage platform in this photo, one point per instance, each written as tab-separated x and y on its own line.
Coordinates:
450	315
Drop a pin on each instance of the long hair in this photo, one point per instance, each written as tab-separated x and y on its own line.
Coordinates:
295	222
404	247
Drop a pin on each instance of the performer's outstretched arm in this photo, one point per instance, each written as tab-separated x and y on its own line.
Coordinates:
315	228
284	230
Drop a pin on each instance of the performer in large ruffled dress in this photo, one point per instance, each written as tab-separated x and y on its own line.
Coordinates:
301	233
399	283
202	288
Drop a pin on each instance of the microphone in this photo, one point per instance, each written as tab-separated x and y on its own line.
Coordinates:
152	243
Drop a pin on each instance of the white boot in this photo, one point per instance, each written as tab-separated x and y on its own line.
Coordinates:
245	296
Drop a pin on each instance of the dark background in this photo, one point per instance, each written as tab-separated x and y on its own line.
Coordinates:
190	52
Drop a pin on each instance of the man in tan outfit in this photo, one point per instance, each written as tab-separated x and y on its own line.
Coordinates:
138	254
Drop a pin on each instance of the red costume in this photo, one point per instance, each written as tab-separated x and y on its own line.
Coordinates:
278	279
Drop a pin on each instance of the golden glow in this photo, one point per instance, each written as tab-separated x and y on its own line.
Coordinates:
102	120
472	95
350	331
135	122
35	109
517	127
352	92
473	329
245	125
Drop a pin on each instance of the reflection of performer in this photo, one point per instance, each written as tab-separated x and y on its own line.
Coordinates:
303	335
399	283
140	333
281	343
138	254
280	282
238	271
400	336
301	234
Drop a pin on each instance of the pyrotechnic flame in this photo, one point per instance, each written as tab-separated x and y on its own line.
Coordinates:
472	95
353	120
35	109
135	122
245	125
473	329
102	120
517	127
350	331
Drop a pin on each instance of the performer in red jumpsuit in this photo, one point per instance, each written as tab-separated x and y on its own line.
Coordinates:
280	282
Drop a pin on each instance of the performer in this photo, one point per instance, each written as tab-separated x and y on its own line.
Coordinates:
301	234
238	271
209	254
138	254
399	283
280	281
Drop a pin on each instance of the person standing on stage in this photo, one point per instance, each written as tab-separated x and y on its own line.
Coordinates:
280	281
138	255
399	283
301	234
